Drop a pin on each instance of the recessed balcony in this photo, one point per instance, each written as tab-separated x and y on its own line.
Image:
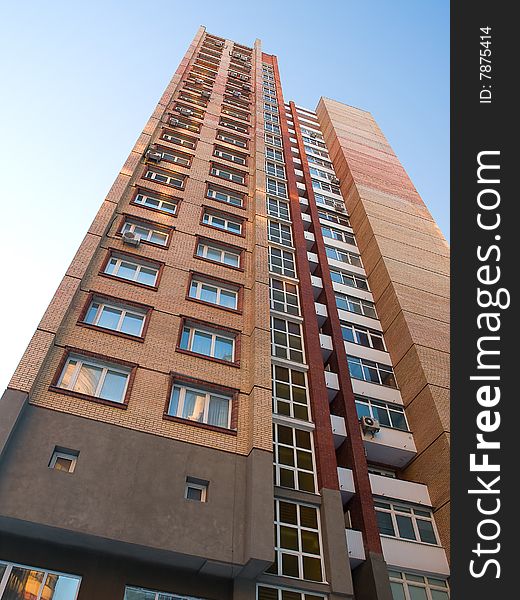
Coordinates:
389	446
332	383
307	220
317	286
309	239
399	489
355	547
321	313
414	556
339	430
376	391
313	261
346	484
326	346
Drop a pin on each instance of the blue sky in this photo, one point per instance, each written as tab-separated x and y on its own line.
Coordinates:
80	79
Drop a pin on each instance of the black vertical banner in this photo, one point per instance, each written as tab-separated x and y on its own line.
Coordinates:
485	237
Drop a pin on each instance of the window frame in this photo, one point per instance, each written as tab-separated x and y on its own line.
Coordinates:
170	175
120	255
212	214
215	331
132	221
242	158
227	138
174	201
410	512
4	579
379	405
289	350
236	176
218	189
222	247
96	360
364	305
295	467
400	578
282	269
367	364
201	279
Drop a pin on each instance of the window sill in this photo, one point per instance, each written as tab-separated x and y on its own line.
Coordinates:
215	428
123	405
235	364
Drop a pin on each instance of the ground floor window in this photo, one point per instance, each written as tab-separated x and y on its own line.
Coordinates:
133	593
20	582
408	586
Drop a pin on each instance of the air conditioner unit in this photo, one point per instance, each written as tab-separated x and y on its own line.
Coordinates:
184	111
154	155
246	86
314	134
334	180
233	74
205	94
244	77
174	122
199	80
370	425
131	239
236	93
218	43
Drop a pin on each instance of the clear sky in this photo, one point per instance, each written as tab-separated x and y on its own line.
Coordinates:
79	79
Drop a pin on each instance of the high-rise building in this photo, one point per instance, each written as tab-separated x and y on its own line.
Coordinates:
240	388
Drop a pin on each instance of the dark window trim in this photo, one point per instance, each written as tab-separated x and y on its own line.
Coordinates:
155	263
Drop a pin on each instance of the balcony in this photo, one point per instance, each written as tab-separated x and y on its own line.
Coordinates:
317	286
376	391
399	489
390	447
355	547
369	353
304	203
326	346
309	239
404	555
313	260
306	220
321	313
332	383
339	430
346	484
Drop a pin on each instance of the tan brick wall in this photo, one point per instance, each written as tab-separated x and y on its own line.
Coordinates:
407	262
157	356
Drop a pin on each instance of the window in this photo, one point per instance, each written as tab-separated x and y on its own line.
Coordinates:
350	279
344	256
273	154
319	161
149	201
267	592
279	233
272	128
270	107
278	188
221	222
406	522
274	140
132	270
227	173
173	179
284	296
235	113
93	377
19	582
278	208
196	489
297	541
133	593
208	342
178	158
337	234
271	118
327	187
355	305
200	405
321	173
310	150
274	169
388	415
293	458
281	262
326	201
115	317
223	195
224	122
207	291
333	218
313	142
218	254
362	336
177	138
231	139
63	459
408	586
373	372
286	340
146	233
290	393
225	154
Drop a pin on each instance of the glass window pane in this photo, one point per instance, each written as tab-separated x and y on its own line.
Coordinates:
208	293
194	406
147	276
23	584
174	401
60	587
91	313
127	270
398	420
132	324
426	531
290	565
312	568
213	254
439	595
201	343
87	380
397	591
114	386
417	593
310	542
381	414
405	526
109	317
224	348
67	374
363	410
289	538
384	522
228	299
